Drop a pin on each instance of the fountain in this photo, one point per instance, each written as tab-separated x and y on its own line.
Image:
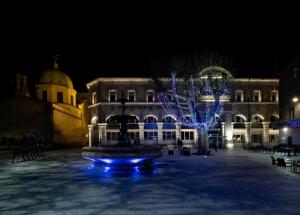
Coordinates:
124	153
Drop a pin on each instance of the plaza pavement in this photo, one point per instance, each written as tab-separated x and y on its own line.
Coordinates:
229	182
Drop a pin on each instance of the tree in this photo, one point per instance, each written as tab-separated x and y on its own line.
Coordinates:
196	99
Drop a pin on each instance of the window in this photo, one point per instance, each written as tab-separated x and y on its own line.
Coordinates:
239	119
256	96
256	119
169	135
94	98
112	96
150	135
274	118
150	119
60	97
131	95
168	119
239	96
72	100
187	135
150	96
274	96
112	136
238	138
44	95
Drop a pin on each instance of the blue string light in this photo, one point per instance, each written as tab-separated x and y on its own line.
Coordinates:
295	123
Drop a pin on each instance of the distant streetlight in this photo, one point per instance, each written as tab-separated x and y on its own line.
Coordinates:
285	129
295	99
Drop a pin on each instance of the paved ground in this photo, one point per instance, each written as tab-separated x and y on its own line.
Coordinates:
230	182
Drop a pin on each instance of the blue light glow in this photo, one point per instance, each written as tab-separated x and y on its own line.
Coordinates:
136	160
106	169
108	161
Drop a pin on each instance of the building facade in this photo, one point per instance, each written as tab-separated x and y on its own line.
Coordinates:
54	115
290	103
250	111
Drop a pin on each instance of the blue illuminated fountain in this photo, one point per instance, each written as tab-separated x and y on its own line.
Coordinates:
124	154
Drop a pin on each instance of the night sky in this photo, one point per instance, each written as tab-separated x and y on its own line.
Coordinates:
141	44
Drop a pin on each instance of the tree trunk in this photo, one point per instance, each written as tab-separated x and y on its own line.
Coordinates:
202	141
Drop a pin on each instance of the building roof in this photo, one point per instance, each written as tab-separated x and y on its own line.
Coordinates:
56	77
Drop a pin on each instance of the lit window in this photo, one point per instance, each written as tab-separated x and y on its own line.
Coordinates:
274	96
256	96
239	96
150	135
60	97
131	95
150	96
150	119
168	119
112	96
94	98
187	135
169	135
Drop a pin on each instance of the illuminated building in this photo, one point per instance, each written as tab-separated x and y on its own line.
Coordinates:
249	113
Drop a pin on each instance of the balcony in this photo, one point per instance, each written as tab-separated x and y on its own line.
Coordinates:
256	125
239	125
150	126
117	126
169	126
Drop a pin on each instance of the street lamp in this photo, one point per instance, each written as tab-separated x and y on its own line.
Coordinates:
295	99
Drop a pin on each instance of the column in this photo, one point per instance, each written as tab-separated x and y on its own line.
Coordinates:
196	137
178	131
265	133
247	134
90	127
223	135
102	133
141	132
160	132
228	129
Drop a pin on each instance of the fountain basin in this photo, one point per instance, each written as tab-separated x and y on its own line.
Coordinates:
122	155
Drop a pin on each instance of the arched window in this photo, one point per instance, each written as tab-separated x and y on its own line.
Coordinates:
257	119
111	121
274	118
168	119
239	118
150	119
94	120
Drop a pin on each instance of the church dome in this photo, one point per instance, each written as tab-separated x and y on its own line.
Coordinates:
56	77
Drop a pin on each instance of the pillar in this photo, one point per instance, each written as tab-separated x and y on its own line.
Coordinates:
247	134
195	137
102	133
141	131
178	131
266	133
228	129
160	132
90	127
223	135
